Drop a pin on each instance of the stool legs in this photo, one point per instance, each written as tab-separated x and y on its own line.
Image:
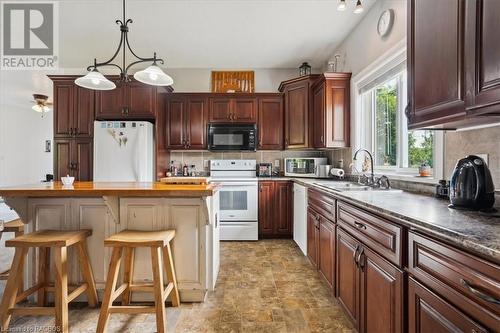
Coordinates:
61	288
10	293
108	298
128	274
87	274
158	289
43	274
169	268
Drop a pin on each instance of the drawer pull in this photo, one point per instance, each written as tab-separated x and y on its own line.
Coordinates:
359	225
355	254
479	293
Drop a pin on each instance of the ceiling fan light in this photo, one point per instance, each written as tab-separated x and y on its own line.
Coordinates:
341	6
359	7
95	80
40	108
153	75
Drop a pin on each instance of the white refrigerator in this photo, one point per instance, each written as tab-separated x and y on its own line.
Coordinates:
124	151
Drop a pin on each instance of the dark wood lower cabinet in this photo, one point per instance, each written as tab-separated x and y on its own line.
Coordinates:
381	294
312	236
348	275
427	313
73	157
327	251
275	209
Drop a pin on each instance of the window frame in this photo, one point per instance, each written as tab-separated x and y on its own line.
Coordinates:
363	125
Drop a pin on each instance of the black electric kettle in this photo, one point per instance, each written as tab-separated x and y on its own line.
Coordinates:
471	186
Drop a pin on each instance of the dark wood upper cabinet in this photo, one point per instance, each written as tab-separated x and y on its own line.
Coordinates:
483	57
270	123
427	312
266	208
131	100
382	294
348	277
275	209
331	110
453	62
238	109
186	119
298	111
73	109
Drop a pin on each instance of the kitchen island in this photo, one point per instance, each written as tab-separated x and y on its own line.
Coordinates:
109	207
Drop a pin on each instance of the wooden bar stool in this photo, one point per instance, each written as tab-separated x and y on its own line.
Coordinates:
124	243
45	241
17	227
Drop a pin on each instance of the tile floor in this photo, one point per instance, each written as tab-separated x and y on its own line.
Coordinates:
265	286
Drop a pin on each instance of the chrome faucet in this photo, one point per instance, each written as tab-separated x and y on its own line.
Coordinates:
371	179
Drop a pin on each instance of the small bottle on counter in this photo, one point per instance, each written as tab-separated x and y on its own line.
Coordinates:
192	173
185	170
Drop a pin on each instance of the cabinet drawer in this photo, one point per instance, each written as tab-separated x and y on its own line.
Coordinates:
381	235
322	203
468	282
427	312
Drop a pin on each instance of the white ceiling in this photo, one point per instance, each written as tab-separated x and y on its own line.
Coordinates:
208	33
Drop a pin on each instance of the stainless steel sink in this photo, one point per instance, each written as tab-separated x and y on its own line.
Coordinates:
348	186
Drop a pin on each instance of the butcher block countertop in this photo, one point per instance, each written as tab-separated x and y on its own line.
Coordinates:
97	189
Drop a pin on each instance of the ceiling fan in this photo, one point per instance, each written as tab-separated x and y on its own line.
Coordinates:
41	104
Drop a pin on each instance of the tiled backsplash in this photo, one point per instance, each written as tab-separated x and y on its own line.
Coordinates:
197	158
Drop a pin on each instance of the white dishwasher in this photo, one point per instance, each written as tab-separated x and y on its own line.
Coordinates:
300	216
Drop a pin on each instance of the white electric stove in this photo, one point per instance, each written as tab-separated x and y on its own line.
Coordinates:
238	198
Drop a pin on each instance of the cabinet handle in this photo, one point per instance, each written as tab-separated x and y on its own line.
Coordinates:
71	131
479	293
407	111
321	139
359	225
355	255
361	262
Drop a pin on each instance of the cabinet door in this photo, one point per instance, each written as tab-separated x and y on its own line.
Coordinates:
244	110
312	236
84	112
63	108
327	250
381	294
220	109
140	100
427	312
436	71
270	123
483	56
266	208
81	156
319	131
283	209
196	123
62	158
347	284
176	123
297	116
110	103
337	116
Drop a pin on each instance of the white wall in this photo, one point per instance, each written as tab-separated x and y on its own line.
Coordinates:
363	44
23	132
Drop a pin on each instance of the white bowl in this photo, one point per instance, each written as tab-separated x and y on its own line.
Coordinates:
68	181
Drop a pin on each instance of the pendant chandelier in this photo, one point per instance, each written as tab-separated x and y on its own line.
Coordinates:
152	75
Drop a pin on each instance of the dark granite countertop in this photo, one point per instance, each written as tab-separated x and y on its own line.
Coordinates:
472	231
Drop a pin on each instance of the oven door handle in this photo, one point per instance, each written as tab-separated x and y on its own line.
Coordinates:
235	183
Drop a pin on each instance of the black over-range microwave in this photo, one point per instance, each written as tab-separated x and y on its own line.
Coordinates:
232	137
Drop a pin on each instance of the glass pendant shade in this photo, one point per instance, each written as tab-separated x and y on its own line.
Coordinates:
153	75
341	6
359	8
40	108
95	80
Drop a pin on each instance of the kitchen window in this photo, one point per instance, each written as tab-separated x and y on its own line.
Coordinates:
382	127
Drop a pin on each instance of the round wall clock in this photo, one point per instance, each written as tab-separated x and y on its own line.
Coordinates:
385	22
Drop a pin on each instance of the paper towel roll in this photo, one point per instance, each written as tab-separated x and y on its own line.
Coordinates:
337	172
